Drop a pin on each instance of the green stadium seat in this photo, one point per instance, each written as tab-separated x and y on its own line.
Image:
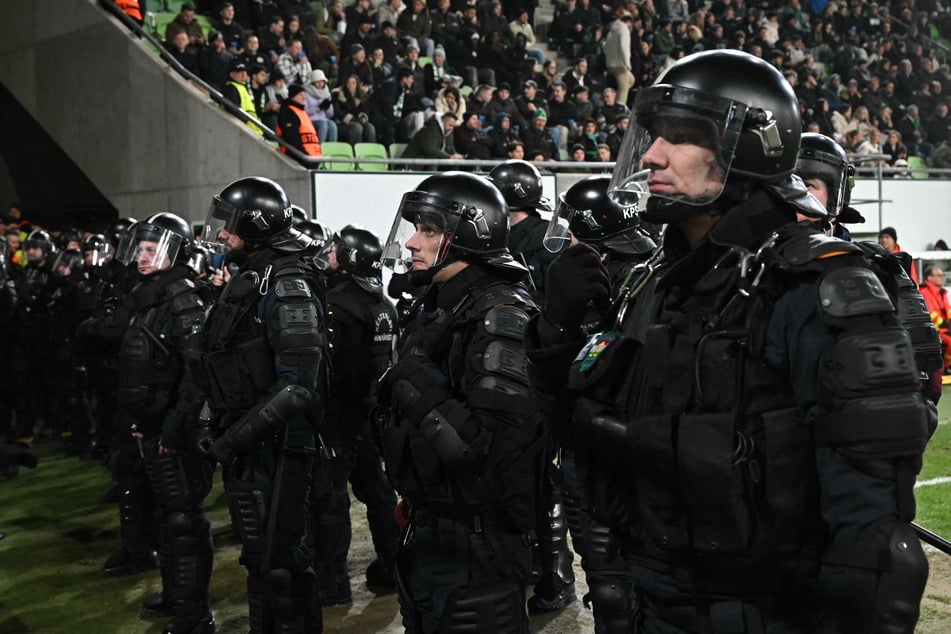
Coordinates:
424	60
337	149
563	155
916	164
465	91
370	150
396	151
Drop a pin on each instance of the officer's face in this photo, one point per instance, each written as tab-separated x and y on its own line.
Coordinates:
34	254
681	162
818	188
230	240
147	260
332	263
424	246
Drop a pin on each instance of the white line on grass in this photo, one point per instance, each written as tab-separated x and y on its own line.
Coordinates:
933	481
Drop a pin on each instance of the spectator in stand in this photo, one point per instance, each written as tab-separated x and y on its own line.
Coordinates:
354	12
562	116
576	153
434	139
253	56
604	154
332	21
547	77
894	148
610	111
583	20
912	132
415	25
936	299
493	21
617	54
214	61
301	8
479	99
185	21
530	101
232	32
359	34
412	62
294	64
888	240
590	139
397	111
872	146
389	11
860	122
502	102
537	139
938	128
266	106
502	135
183	53
515	151
941	157
293	124
437	74
561	33
352	112
450	100
378	64
446	26
471	140
577	75
522	25
614	138
277	89
319	106
357	64
237	92
387	41
583	106
292	30
271	39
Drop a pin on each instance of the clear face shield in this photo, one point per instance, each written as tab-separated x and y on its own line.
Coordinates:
221	216
67	262
557	236
837	176
98	255
421	233
126	248
678	148
155	248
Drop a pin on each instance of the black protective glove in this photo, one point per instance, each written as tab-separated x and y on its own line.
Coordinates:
413	387
325	104
576	279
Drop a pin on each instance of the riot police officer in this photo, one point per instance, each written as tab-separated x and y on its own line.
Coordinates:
7	314
755	468
156	467
32	347
521	185
586	214
263	374
464	443
365	330
63	392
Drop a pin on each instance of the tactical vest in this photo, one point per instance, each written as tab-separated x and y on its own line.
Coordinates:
487	368
707	470
237	365
378	317
149	364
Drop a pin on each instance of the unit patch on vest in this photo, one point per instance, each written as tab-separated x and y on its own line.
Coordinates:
597	344
383	328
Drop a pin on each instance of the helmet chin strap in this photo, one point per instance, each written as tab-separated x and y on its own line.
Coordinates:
425	277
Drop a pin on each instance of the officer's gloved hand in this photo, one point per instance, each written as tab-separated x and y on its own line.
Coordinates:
413	387
576	280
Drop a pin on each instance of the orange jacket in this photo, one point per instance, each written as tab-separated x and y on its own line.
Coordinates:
296	128
131	8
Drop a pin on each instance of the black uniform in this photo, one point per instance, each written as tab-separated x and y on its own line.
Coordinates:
365	329
31	353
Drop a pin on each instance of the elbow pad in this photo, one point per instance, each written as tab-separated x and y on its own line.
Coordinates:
265	421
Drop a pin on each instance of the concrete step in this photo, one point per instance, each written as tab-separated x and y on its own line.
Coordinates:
544	13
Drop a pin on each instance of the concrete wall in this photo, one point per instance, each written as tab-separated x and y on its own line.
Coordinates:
146	138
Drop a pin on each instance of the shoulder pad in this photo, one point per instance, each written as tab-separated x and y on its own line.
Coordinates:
187	302
178	287
800	249
507	294
852	291
288	287
506	320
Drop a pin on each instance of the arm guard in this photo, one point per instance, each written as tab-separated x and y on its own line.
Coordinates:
875	584
870	407
265	421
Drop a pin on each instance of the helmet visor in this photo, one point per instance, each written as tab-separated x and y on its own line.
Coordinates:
556	235
831	171
155	248
66	263
222	216
679	147
126	247
421	233
98	254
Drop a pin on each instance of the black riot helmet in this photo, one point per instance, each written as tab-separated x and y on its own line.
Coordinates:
39	239
298	215
594	218
734	105
316	231
257	211
466	209
358	252
117	229
171	236
822	158
67	262
97	249
67	236
520	183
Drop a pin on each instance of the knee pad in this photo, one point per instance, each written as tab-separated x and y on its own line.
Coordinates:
496	607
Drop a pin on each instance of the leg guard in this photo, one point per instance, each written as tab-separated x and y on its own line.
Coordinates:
330	505
610	588
876	584
187	549
556	587
167	478
293	603
371	487
135	519
249	519
496	607
259	611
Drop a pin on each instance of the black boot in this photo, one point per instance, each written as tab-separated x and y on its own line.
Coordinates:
187	572
122	563
293	601
381	577
556	587
156	605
